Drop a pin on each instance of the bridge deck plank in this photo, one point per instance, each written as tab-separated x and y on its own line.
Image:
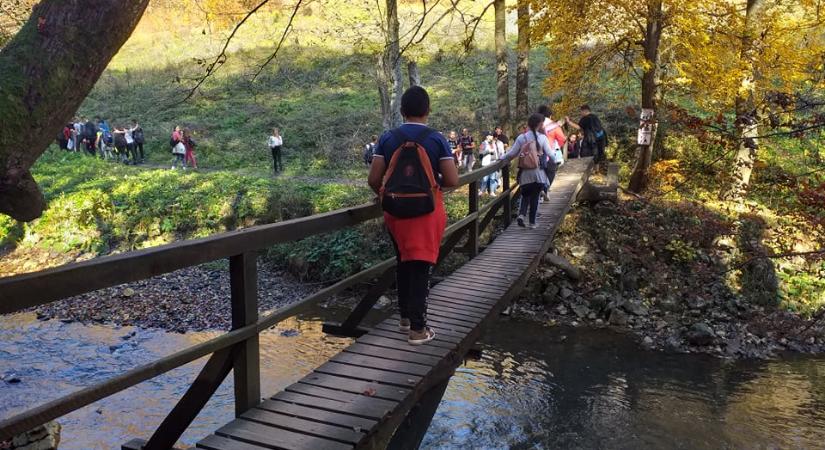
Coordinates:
360	395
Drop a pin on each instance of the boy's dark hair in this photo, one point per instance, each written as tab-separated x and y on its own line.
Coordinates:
374	137
415	102
584	107
544	110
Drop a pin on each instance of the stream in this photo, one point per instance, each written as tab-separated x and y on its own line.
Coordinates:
534	387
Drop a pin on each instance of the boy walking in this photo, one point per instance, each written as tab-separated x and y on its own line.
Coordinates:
416	221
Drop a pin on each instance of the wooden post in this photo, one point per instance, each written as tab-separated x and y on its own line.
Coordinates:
243	276
508	204
472	230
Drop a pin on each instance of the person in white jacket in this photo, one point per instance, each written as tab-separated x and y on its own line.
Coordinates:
275	142
490	151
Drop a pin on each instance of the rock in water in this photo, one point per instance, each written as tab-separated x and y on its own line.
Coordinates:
700	334
128	292
647	343
581	311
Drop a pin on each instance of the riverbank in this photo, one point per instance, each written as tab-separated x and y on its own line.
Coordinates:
679	278
191	299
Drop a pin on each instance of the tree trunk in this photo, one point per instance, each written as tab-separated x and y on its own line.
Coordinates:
746	117
523	68
502	77
390	81
412	72
650	88
46	71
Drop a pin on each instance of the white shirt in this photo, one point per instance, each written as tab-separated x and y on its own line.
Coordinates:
276	141
129	138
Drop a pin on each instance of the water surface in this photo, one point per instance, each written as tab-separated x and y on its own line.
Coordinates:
534	388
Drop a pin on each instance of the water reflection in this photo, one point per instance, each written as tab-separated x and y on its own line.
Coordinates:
535	389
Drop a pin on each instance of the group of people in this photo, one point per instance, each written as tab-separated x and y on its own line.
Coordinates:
412	164
121	143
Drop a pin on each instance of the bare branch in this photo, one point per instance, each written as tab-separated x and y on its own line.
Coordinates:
221	58
281	42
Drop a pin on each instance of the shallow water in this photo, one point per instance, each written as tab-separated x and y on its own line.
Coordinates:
534	387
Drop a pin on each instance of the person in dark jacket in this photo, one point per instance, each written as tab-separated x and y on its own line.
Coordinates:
573	146
90	136
139	138
595	137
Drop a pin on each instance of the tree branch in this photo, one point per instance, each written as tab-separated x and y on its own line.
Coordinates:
281	42
221	58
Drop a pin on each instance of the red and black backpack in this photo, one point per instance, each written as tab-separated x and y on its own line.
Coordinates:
409	185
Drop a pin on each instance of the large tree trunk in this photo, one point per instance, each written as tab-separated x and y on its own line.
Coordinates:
523	68
746	118
390	81
650	88
502	77
46	71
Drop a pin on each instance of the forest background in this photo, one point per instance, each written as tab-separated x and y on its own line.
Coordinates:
736	86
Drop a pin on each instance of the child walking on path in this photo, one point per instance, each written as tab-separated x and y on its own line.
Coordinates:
190	145
414	153
532	177
275	142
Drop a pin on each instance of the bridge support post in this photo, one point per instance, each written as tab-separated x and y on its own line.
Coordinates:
473	229
508	204
410	433
243	276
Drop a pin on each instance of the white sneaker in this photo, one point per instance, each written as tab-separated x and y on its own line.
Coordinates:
532	226
520	221
492	194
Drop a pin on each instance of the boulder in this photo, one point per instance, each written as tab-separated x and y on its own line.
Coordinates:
565	293
700	334
597	302
647	343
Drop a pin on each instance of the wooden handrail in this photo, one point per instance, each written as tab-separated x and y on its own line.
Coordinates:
38	288
28	290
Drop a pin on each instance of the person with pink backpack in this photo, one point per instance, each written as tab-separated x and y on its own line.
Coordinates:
533	151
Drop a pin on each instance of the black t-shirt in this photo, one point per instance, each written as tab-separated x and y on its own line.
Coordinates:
453	144
591	125
466	142
502	138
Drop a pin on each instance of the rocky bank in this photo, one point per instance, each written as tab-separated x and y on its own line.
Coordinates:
664	275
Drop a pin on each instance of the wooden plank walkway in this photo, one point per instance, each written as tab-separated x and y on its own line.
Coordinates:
359	397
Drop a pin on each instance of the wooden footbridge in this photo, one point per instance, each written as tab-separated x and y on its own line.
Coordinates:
379	392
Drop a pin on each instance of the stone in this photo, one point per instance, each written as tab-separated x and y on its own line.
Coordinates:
647	343
383	302
562	310
581	311
673	344
599	322
636	308
598	301
562	263
700	334
128	292
550	293
591	316
630	281
565	293
617	317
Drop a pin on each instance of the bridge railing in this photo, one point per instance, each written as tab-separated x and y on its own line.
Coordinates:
237	349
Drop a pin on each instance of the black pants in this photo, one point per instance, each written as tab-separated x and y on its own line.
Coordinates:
595	149
413	280
276	158
530	197
90	146
550	171
138	149
132	149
